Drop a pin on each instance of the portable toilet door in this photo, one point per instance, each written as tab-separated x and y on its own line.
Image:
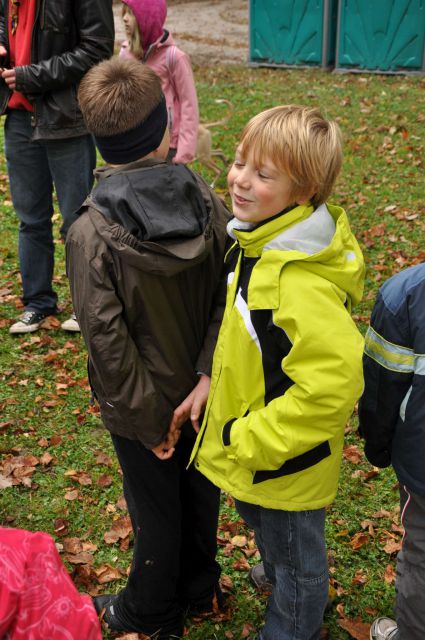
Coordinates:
292	32
383	36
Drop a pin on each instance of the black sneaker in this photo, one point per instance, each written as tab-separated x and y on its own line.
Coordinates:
28	322
106	608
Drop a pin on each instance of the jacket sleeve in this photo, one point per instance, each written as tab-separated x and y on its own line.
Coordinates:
3	26
222	243
388	376
125	391
324	364
184	86
95	27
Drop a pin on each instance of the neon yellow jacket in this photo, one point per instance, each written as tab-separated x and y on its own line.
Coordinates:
287	367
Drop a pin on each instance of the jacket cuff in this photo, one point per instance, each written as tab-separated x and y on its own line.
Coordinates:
379	458
225	434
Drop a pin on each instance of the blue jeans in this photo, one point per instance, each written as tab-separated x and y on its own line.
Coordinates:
34	168
293	550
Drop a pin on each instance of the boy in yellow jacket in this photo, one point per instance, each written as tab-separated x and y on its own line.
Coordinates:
288	362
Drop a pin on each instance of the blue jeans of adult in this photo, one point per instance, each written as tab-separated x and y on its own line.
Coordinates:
35	168
293	550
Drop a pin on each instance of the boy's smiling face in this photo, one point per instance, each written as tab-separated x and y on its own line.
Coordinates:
258	192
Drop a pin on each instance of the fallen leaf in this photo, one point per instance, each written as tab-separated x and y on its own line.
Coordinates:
121	528
71	495
239	541
107	573
355	627
61	527
80	558
241	564
359	540
353	454
389	574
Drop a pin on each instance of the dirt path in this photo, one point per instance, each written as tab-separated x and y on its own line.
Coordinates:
212	32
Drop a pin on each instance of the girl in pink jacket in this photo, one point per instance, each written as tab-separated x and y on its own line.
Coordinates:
149	42
38	600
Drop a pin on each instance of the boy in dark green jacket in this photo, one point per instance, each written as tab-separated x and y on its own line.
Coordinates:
145	261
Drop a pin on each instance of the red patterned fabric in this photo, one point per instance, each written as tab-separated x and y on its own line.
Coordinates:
38	600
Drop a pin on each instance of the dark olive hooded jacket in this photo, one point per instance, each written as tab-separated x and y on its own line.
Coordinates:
145	261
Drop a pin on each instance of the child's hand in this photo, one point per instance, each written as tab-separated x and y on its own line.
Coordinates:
164	450
192	406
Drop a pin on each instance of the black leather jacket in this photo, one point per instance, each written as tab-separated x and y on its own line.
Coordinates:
69	37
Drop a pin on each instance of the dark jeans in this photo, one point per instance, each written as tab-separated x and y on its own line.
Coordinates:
174	513
410	582
34	168
292	547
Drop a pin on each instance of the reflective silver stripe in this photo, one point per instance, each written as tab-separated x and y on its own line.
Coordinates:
242	307
389	355
420	365
403	405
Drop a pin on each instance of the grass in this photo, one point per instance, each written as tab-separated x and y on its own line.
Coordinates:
68	481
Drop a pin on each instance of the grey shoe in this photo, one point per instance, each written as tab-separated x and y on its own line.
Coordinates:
384	629
71	324
259	579
28	322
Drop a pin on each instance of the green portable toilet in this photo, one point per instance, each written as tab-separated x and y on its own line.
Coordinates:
292	32
384	36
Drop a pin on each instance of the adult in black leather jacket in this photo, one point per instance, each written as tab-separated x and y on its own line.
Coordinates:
46	49
70	36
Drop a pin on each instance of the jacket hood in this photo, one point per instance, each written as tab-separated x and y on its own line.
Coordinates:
150	16
320	240
153	214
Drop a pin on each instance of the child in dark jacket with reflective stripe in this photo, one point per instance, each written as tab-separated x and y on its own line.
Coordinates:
392	421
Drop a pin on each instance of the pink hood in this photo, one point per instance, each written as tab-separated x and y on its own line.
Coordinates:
150	16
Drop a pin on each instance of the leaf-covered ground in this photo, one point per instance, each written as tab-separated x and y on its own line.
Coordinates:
58	472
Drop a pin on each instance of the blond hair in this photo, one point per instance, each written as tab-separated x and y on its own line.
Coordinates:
117	95
135	41
300	142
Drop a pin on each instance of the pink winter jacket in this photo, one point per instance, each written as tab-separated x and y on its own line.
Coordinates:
173	67
38	600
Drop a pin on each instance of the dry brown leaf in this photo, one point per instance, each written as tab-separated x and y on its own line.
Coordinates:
80	558
359	577
353	454
355	627
241	564
390	574
72	495
359	540
392	546
61	527
72	545
104	480
121	529
239	541
107	573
